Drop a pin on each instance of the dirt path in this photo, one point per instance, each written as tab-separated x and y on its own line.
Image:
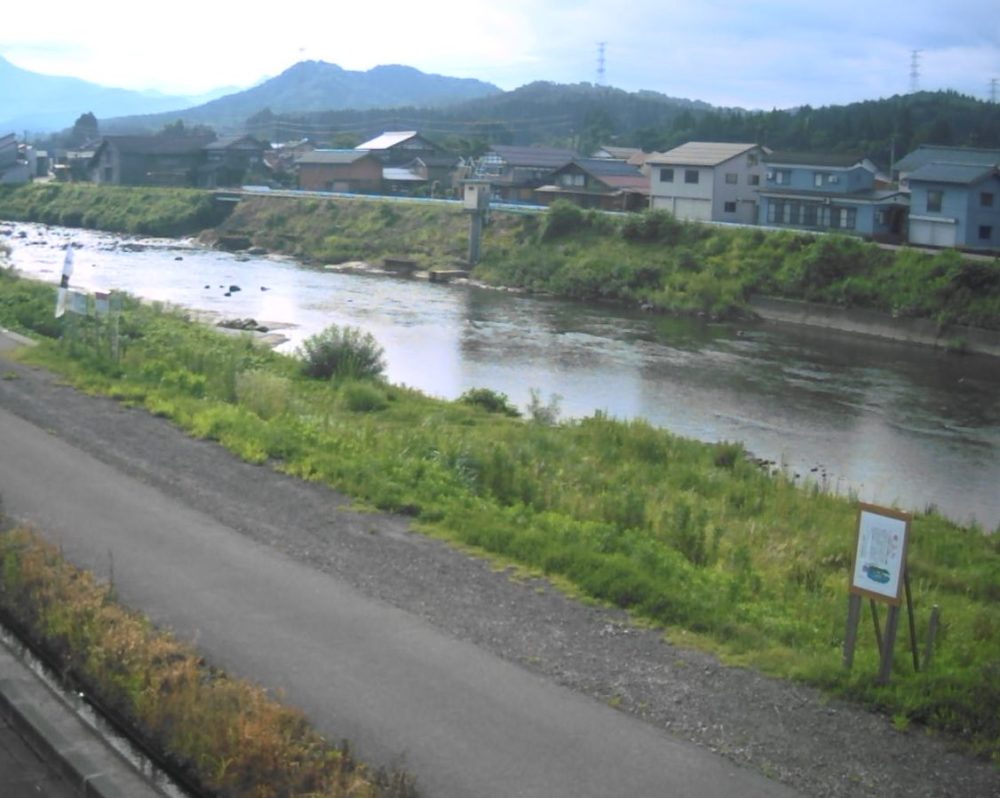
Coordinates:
788	732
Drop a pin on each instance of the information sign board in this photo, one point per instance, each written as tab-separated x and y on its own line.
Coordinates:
880	553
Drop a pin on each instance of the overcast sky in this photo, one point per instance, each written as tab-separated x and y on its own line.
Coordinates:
762	54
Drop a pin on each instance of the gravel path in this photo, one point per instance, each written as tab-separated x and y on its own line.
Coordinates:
792	733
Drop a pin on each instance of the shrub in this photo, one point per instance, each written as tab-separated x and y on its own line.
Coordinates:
562	219
342	352
491	401
363	397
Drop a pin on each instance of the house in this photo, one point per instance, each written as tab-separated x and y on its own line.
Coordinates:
707	181
349	171
14	166
160	160
830	192
955	205
603	183
396	148
515	172
631	155
228	161
933	153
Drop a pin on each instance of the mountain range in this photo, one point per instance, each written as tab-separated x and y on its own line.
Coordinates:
38	103
42	103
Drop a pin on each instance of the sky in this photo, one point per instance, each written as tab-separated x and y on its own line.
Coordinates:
758	54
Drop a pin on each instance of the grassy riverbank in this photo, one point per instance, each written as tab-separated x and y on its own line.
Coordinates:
689	536
224	735
642	259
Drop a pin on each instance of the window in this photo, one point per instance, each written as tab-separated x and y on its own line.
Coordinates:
934	197
985	232
690	175
782	176
809	214
732	178
819	178
666	175
752	159
754	180
730	207
570	180
986	200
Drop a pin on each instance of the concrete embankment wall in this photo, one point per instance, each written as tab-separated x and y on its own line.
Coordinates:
869	322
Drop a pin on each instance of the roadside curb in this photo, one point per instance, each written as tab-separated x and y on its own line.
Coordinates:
91	767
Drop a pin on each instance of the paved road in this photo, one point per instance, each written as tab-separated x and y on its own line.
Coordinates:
465	722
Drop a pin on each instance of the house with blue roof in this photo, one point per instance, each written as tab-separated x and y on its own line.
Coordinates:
955	205
830	193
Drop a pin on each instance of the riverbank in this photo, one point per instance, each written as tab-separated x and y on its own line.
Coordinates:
786	729
921	332
644	260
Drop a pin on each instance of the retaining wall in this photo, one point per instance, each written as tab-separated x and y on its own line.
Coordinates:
869	322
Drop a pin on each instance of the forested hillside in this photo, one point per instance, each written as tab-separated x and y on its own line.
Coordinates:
584	116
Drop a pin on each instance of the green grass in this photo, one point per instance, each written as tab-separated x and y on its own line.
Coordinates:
688	536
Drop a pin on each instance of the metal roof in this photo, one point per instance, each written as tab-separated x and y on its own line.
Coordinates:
401	174
867	197
701	153
961	173
928	153
333	156
832	160
388	140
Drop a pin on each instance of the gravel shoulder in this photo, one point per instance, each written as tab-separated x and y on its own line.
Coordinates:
792	733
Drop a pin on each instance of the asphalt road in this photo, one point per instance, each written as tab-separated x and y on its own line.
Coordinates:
464	721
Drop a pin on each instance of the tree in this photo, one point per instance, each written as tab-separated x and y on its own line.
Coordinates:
85	129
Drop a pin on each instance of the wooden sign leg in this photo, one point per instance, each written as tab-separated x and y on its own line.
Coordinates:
851	635
888	644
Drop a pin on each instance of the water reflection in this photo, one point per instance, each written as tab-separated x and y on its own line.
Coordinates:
896	424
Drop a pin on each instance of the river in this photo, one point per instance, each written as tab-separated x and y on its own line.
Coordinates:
891	423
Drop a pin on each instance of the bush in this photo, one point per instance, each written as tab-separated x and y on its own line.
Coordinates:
363	397
342	352
562	219
491	401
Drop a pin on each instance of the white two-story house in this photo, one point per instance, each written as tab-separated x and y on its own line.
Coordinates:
707	181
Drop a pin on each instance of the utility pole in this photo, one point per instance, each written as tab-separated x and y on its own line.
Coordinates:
993	90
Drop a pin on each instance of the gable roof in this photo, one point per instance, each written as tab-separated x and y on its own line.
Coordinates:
702	153
235	142
157	145
632	155
829	160
389	139
960	173
343	157
931	153
613	173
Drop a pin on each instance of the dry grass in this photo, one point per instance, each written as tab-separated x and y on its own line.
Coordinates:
228	735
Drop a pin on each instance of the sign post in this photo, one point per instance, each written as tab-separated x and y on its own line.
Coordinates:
879	572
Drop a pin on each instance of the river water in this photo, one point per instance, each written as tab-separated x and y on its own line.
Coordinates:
893	424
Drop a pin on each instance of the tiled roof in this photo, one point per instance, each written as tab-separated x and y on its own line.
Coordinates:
158	145
333	156
961	173
700	153
534	156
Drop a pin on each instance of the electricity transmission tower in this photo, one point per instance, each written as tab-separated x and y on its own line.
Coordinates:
915	70
600	63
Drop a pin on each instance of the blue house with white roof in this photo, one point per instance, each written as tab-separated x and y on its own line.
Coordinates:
954	196
830	193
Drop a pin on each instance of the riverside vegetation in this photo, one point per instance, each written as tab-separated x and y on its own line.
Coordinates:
224	735
693	538
646	259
